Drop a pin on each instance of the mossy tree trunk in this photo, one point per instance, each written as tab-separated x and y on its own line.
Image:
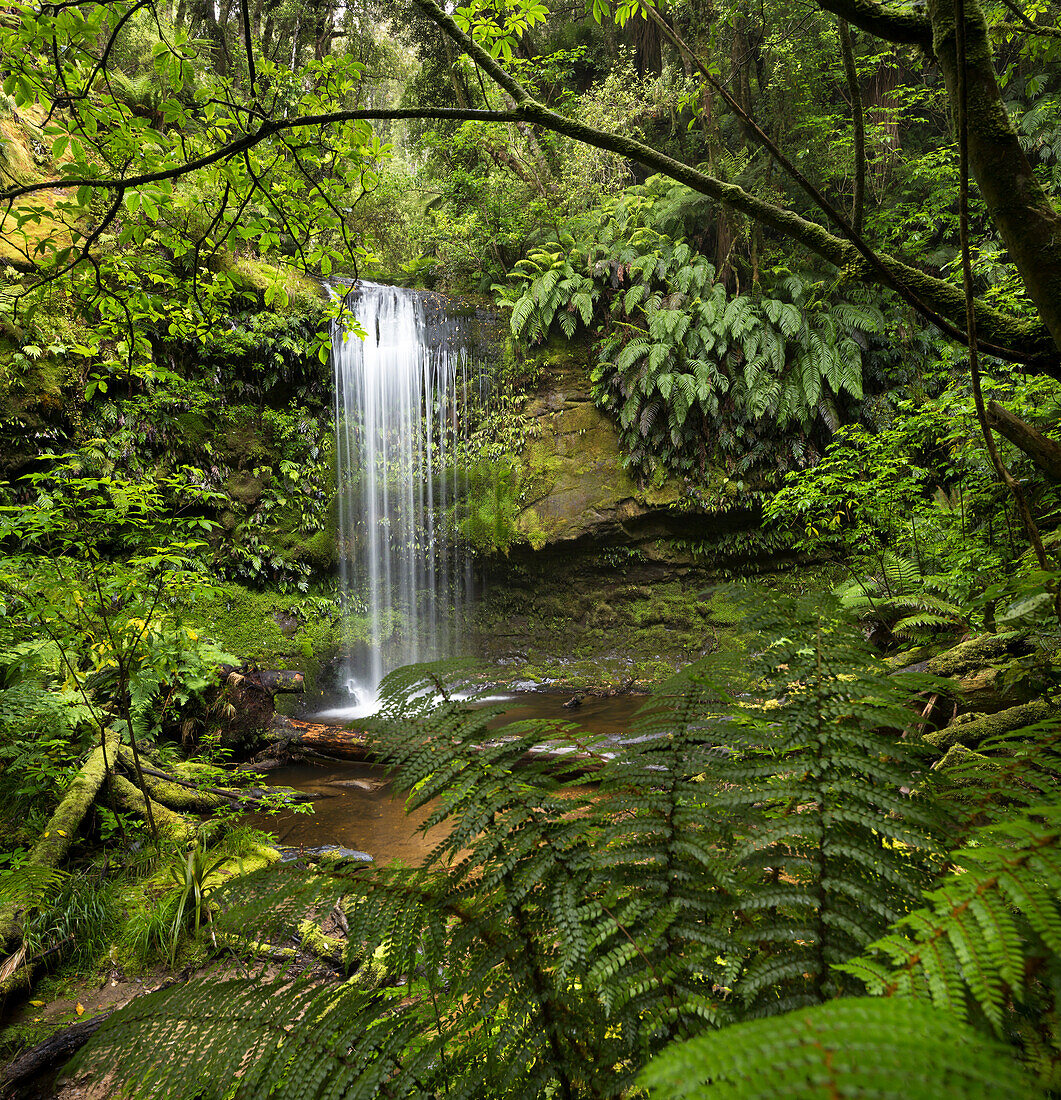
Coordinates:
55	841
1018	204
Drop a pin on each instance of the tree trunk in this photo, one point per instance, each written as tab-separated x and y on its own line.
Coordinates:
858	124
292	735
1018	204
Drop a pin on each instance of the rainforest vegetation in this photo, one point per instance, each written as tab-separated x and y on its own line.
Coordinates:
776	293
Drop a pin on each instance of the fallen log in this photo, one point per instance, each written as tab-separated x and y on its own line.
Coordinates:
58	1048
327	948
970	733
182	795
54	1052
979	652
172	827
253	949
178	794
293	736
54	843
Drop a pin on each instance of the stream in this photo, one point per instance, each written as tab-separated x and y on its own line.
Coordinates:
359	809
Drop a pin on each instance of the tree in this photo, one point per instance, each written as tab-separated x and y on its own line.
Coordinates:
278	158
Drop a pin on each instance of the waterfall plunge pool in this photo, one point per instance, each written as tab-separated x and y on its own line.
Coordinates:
358	808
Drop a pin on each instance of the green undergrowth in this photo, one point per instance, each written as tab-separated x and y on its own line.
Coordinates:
115	916
268	628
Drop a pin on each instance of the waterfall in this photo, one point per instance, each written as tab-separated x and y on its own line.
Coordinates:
402	400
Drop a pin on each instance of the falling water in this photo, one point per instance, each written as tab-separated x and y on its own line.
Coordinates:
402	396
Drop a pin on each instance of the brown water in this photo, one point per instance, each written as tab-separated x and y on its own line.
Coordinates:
375	820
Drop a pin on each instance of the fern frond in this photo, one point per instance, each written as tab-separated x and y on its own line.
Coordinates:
895	1049
973	948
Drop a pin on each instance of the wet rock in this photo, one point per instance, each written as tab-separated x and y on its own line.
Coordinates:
330	852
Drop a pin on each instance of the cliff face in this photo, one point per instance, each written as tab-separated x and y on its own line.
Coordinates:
575	487
576	482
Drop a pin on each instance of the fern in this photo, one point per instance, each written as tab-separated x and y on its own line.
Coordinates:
892	1050
787	361
560	937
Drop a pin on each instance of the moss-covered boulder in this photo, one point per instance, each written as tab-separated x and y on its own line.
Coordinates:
573	480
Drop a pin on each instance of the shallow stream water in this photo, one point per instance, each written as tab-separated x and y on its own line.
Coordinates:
359	809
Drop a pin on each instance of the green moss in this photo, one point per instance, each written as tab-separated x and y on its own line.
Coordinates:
299	291
246	489
248	623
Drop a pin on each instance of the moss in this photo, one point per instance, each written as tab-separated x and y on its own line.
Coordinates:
173	829
319	551
978	728
244	440
299	290
248	623
247	489
253	857
329	948
978	652
598	621
966	770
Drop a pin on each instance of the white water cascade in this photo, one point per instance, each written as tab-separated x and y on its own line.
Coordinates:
402	396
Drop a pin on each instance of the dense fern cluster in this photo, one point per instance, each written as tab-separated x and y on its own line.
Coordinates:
696	377
720	896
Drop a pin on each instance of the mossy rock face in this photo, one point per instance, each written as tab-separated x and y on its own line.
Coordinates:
573	482
270	629
572	472
246	489
296	289
607	618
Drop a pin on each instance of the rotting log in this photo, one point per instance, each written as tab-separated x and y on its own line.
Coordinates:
55	1051
58	1048
54	843
291	734
972	732
1043	451
172	827
177	794
329	948
281	681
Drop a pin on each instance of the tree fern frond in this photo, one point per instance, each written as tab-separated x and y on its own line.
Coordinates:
895	1049
973	946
